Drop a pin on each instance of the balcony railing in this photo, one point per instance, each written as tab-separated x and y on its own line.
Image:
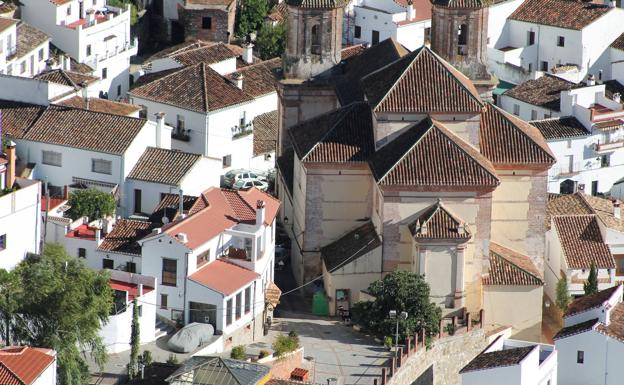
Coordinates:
182	135
127	46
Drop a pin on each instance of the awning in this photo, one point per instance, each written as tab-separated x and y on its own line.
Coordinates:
609	125
502	87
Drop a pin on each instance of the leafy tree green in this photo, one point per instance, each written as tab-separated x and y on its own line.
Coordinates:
284	344
10	291
271	40
91	203
134	17
591	285
252	15
563	296
400	291
238	353
61	304
135	341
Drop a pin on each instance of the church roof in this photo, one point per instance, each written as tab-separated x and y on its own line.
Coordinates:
508	140
426	155
472	4
436	222
342	135
318	4
421	81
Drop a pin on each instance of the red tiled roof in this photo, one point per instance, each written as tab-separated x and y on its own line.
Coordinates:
221	209
124	236
508	140
100	105
342	135
560	128
160	165
439	224
82	232
508	267
6	23
589	302
54	203
224	277
23	365
429	155
570	14
542	92
461	3
582	242
131	288
421	81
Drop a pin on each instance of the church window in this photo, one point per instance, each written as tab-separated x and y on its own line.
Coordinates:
316	40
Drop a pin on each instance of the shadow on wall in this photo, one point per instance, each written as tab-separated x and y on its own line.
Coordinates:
426	378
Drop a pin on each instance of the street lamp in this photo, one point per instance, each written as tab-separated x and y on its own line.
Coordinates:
394	315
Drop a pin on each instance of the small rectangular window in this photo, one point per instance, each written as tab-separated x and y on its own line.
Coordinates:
544	66
228	312
143	112
131	267
108	264
169	272
580	356
119	90
530	67
40	54
102	166
206	22
23	66
375	37
82	252
69	10
239	305
3	241
560	41
88	49
52	158
203	258
163	301
533	115
530	38
140	311
358	32
516	111
227	161
248	300
180	125
104	73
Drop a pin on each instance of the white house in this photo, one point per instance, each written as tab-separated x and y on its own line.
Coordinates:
583	230
91	32
27	365
216	265
24	49
583	125
512	362
211	113
589	346
20	218
373	21
540	37
128	287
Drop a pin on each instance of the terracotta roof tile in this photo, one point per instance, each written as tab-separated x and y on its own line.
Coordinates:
66	78
361	62
508	140
576	329
188	45
209	54
615	328
582	242
265	133
123	239
508	267
604	209
560	128
169	207
339	136
352	245
588	302
223	277
279	12
17	117
421	82
196	88
461	3
84	129
429	155
564	204
318	4
221	209
28	38
618	43
260	79
498	358
437	222
158	165
23	365
6	23
570	14
543	92
100	105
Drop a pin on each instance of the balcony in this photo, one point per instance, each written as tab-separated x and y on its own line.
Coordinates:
95	17
181	134
568	170
130	48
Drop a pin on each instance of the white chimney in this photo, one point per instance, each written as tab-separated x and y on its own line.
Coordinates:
160	127
260	213
181	205
411	12
91	17
98	236
140	289
182	237
591	81
156	231
238	79
248	53
66	63
616	210
617	97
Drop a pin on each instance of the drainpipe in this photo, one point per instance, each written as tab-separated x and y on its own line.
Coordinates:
253	299
185	286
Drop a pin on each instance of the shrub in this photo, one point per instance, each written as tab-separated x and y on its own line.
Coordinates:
173	359
146	358
388	342
238	353
450	329
284	344
263	353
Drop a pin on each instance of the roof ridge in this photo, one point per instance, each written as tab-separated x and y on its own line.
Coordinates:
403	72
175	150
204	85
240	197
60	107
341	116
452	70
586	203
514	264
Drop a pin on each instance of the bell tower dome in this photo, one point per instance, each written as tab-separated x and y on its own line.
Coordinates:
314	37
459	31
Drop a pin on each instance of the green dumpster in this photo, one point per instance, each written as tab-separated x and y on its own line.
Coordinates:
320	304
